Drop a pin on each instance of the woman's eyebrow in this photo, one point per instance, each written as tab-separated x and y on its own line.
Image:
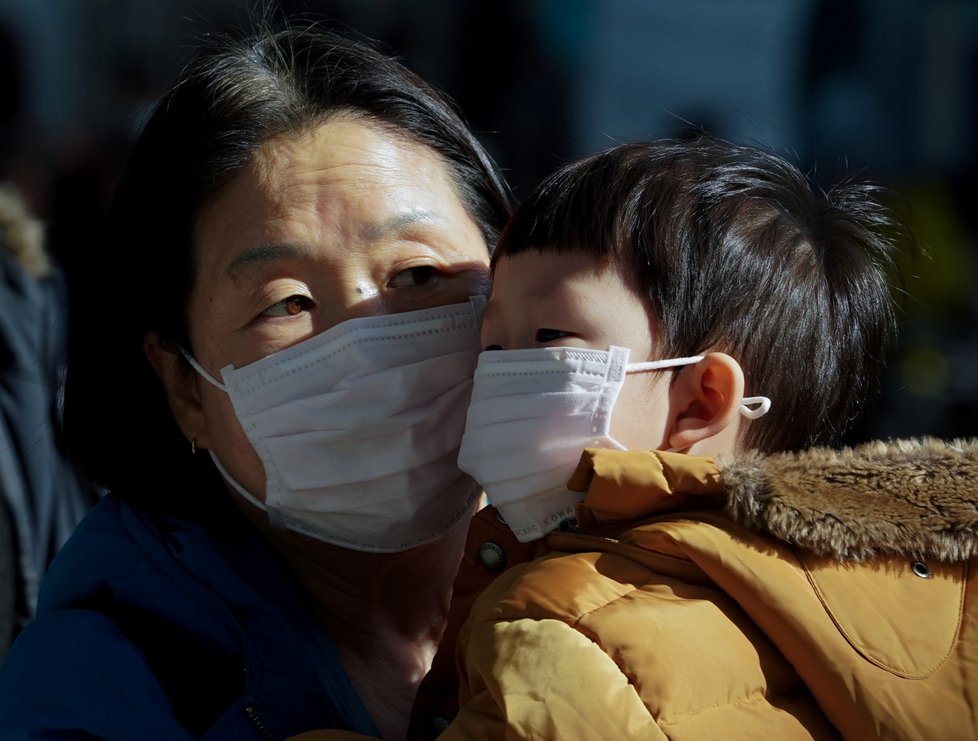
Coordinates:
263	253
399	222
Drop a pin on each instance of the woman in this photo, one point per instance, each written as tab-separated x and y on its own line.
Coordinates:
289	194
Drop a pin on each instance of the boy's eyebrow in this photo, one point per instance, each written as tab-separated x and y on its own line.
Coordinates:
262	253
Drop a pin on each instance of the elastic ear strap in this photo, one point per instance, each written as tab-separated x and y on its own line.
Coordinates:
238	487
654	365
197	367
762	408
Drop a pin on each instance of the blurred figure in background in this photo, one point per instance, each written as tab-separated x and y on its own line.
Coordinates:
41	496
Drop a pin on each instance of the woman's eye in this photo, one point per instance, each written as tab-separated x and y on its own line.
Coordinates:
550	335
413	277
290	306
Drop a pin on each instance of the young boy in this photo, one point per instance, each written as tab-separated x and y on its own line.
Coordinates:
650	594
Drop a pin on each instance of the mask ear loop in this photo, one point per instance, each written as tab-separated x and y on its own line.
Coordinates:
751	412
747	408
762	408
653	365
197	367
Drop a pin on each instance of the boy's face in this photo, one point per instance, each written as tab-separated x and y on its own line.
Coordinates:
547	300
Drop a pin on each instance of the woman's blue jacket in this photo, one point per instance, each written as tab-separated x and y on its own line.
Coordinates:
153	627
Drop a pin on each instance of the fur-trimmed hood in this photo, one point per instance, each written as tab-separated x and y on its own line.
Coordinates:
21	234
917	498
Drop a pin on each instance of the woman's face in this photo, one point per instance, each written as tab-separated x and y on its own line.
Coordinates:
341	222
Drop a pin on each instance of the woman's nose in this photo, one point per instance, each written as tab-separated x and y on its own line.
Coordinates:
350	297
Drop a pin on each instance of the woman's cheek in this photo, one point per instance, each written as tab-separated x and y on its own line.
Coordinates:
231	446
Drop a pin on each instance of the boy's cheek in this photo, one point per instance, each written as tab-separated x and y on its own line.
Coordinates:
641	414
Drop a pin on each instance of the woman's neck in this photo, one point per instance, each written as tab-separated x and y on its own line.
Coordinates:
384	611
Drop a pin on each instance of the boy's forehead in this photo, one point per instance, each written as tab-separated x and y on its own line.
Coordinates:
539	274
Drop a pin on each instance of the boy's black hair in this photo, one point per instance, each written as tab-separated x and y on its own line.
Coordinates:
735	249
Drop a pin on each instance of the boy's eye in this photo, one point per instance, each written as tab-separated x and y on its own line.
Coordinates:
550	335
413	277
290	306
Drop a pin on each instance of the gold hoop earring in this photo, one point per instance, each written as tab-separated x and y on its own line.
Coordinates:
193	446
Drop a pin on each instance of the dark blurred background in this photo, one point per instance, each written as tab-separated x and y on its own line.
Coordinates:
885	88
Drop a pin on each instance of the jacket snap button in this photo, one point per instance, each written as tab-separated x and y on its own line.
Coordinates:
438	725
492	556
920	569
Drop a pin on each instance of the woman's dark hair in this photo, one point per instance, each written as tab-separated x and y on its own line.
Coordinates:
735	249
235	94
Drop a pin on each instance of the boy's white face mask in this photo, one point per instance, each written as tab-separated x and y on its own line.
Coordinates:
358	427
532	414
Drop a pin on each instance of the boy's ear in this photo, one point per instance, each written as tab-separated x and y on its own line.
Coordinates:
180	386
704	400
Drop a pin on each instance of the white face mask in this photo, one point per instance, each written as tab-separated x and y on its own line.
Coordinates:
532	414
358	427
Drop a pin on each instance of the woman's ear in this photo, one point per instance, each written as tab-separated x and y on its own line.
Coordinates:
180	384
704	400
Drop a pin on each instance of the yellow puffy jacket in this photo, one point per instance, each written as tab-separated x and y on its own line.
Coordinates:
806	595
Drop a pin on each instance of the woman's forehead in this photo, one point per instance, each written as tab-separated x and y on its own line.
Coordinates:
348	159
345	179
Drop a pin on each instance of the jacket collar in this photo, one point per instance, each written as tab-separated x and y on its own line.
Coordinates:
917	498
